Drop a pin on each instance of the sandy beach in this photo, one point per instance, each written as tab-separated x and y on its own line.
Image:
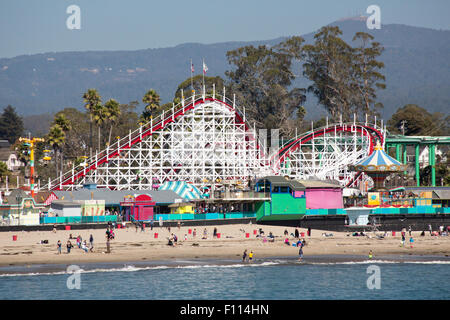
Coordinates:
131	245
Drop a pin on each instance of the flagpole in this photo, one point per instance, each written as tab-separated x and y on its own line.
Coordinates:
192	82
203	67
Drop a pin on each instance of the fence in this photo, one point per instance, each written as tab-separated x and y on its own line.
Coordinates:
86	219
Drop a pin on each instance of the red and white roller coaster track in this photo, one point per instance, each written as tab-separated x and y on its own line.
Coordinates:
213	114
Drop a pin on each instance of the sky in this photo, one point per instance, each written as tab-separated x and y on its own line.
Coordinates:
38	26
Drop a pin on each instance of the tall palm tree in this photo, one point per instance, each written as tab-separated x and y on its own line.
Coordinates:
151	100
99	116
91	99
112	112
56	138
66	126
63	122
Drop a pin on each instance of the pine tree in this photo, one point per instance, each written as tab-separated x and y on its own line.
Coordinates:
11	125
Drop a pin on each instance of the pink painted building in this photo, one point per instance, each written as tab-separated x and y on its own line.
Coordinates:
322	195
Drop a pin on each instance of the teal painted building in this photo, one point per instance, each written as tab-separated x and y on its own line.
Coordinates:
287	202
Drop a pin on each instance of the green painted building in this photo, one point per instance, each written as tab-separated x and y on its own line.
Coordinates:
287	202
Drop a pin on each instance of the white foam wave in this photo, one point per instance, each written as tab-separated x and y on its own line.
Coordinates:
379	262
131	268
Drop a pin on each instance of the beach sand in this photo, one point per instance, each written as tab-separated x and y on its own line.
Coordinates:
130	245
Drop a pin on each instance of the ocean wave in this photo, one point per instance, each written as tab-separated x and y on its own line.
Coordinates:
379	262
131	268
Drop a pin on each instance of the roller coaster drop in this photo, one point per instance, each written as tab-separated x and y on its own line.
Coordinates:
207	142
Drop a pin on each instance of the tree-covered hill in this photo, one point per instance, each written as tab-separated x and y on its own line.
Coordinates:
416	70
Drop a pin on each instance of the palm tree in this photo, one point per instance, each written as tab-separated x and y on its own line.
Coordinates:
56	138
112	113
63	122
66	126
99	116
151	100
92	99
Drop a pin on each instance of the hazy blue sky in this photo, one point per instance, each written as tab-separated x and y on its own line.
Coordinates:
28	27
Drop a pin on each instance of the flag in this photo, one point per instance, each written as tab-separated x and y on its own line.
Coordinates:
205	68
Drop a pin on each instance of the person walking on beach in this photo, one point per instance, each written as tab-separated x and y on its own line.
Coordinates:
108	245
59	246
244	256
430	229
411	241
370	255
69	246
300	254
403	239
409	230
91	243
215	232
151	224
309	231
250	256
297	235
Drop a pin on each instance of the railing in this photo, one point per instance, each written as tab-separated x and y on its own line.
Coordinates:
230	195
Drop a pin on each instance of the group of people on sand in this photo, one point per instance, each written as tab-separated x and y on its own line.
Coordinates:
247	257
80	243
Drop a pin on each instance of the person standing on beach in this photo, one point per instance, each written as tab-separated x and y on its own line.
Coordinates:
59	246
108	245
69	246
194	233
403	239
91	243
215	233
370	255
430	229
309	231
297	235
244	255
151	224
300	253
250	256
409	230
411	241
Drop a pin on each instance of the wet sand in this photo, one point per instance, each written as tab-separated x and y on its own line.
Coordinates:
131	245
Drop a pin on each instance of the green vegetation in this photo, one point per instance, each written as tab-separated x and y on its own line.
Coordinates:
412	120
344	74
11	125
262	77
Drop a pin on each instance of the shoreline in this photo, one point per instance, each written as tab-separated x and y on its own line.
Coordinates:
142	247
130	266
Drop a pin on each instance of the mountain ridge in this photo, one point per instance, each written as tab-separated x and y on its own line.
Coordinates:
416	70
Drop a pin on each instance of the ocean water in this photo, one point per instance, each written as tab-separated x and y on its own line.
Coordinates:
322	278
